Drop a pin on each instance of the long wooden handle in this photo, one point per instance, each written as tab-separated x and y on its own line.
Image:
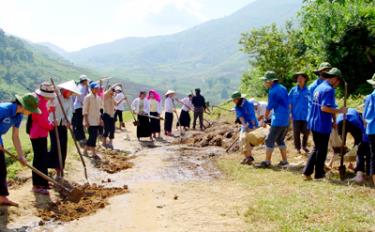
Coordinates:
230	147
58	145
70	129
344	127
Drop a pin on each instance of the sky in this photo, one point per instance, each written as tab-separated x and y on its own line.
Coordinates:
77	24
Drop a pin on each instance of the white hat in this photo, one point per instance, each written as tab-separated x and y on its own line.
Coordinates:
118	88
169	92
71	86
46	90
83	78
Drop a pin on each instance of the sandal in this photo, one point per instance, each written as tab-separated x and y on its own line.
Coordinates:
40	190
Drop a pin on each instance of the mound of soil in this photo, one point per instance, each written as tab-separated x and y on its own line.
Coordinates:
113	161
95	197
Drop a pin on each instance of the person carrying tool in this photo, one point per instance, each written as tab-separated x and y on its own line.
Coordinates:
119	106
187	106
108	115
77	120
169	110
155	111
11	114
38	128
141	106
199	104
278	101
369	116
299	102
246	114
66	92
92	118
323	110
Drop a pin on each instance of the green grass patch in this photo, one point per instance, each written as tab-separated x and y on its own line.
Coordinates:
283	201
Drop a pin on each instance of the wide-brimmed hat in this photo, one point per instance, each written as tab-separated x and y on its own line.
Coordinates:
118	89
270	76
372	80
297	74
94	85
323	66
237	94
169	92
29	102
46	90
334	72
70	86
83	77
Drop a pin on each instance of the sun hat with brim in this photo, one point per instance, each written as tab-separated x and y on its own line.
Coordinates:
372	80
70	86
334	72
169	92
118	89
46	90
297	74
270	76
29	102
94	85
237	95
83	78
323	66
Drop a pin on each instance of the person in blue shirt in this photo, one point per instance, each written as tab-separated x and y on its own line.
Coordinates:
369	116
355	126
245	113
299	103
322	111
11	115
323	68
278	101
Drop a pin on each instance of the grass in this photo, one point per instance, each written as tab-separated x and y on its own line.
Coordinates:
282	201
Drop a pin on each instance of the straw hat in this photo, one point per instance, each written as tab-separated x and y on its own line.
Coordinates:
169	92
70	86
46	90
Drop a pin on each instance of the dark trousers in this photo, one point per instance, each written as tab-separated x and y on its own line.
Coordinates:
300	127
53	155
372	157
93	135
352	129
109	126
40	161
168	122
198	113
3	176
318	156
363	158
118	114
77	123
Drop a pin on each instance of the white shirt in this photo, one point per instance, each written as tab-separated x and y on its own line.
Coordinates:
261	111
168	105
187	105
118	97
68	108
136	103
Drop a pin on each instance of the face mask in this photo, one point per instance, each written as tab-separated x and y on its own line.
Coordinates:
65	93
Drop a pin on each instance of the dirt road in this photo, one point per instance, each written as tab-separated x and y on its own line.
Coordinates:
172	188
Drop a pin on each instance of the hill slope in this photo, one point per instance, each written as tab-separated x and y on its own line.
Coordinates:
206	56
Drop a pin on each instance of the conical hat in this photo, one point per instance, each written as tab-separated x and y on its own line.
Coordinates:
169	92
71	86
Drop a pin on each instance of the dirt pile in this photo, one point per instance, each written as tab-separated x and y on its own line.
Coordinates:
95	197
112	161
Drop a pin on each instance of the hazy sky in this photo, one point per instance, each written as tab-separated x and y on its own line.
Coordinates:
75	24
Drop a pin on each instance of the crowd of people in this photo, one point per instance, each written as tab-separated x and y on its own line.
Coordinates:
90	111
312	109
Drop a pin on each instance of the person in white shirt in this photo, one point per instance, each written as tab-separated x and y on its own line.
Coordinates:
141	106
260	111
66	91
187	106
155	111
119	106
169	107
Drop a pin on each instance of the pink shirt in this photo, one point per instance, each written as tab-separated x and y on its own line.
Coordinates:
41	126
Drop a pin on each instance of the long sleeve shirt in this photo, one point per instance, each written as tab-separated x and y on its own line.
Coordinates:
78	100
68	108
91	107
8	118
278	101
137	106
198	101
187	105
369	113
168	105
119	99
247	112
299	102
40	125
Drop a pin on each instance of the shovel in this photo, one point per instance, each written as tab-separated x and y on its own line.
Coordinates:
135	122
58	146
342	168
73	194
178	120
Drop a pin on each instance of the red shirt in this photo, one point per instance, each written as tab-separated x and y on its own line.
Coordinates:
41	126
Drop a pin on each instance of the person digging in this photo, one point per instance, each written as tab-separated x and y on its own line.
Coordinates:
246	115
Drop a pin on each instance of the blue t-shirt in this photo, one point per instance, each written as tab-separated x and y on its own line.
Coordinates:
246	110
278	101
369	113
299	101
354	118
311	89
8	118
324	95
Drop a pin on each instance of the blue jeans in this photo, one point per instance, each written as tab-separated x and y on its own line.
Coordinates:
276	135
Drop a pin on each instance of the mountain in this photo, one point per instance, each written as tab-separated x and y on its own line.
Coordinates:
205	56
56	49
24	65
